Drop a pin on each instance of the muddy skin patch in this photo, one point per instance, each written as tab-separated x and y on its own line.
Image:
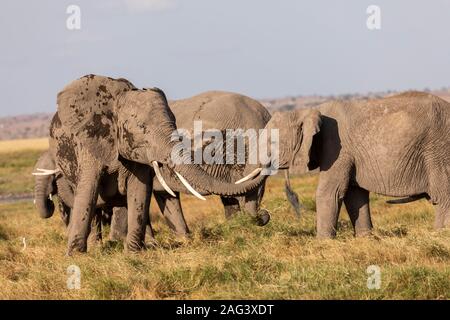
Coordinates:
98	129
102	88
66	152
55	125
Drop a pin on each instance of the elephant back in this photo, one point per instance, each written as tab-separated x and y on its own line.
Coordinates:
86	109
220	110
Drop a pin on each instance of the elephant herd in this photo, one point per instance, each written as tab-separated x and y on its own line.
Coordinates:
111	148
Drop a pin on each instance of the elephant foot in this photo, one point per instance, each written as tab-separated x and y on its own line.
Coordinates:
134	248
363	233
326	234
262	218
133	245
77	246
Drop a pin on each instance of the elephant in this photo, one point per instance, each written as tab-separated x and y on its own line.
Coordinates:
220	111
396	146
49	183
107	131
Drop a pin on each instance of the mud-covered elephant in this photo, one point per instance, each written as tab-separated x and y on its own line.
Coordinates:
107	131
397	146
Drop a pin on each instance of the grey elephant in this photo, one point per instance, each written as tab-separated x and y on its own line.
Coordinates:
223	111
218	111
107	131
397	146
50	184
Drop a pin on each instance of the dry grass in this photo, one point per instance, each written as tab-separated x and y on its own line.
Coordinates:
9	146
234	259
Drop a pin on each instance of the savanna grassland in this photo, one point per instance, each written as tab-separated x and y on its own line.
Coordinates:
223	259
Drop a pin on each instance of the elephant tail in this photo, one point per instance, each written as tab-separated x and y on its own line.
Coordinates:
290	193
408	199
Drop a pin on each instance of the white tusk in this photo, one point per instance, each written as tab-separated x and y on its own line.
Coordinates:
253	174
45	172
189	187
50	197
161	179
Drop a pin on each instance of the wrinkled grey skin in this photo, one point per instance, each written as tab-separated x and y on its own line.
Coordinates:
106	130
219	111
48	186
397	146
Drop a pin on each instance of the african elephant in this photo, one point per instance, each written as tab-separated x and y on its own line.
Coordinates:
49	183
106	130
219	111
397	146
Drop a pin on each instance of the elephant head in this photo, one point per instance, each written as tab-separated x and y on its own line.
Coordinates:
110	118
296	129
45	185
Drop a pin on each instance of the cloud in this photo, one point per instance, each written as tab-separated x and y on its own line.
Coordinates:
150	5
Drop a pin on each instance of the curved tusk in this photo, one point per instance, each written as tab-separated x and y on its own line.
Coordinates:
50	197
161	179
253	174
45	172
189	187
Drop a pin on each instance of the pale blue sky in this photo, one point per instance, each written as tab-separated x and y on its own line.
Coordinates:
256	47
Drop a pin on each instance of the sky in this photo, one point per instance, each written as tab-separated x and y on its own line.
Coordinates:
261	48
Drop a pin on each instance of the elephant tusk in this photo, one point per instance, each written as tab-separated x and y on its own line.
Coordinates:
253	174
161	179
50	197
189	187
45	172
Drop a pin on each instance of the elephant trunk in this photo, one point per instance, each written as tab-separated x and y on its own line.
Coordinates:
44	205
65	193
195	176
202	181
43	188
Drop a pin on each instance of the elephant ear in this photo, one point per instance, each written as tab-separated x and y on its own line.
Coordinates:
309	126
86	108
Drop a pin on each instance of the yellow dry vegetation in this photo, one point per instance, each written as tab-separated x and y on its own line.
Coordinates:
7	146
231	259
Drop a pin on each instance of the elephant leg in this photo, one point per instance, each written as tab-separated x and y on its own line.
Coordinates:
330	192
439	193
97	224
119	224
442	216
231	206
252	206
83	209
64	211
139	190
173	213
357	203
